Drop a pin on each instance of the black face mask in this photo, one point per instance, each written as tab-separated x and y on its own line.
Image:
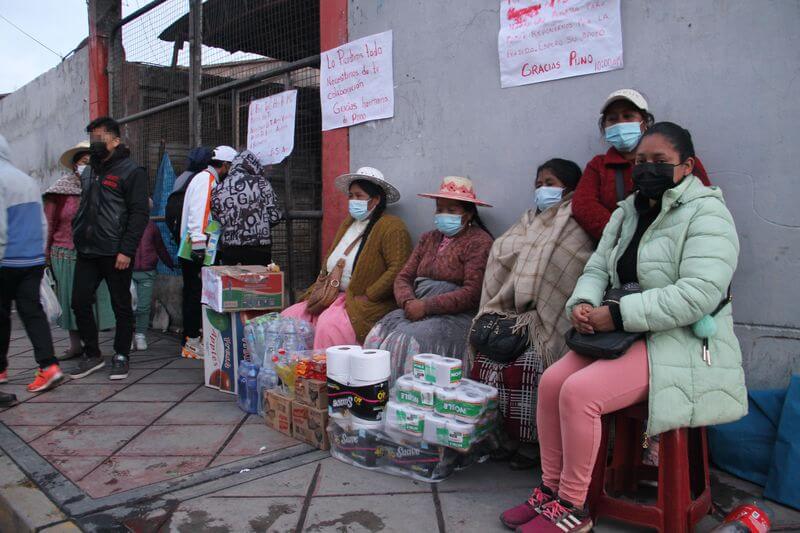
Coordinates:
653	179
98	150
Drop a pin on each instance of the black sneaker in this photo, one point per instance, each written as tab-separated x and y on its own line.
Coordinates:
119	367
87	365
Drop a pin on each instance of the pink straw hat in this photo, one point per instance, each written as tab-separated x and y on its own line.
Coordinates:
457	188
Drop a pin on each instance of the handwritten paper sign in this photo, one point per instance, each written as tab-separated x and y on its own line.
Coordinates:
270	127
542	40
357	82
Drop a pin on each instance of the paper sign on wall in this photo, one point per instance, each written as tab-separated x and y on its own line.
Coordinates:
357	82
542	40
270	127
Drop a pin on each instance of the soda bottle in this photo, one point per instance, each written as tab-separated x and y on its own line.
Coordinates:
751	517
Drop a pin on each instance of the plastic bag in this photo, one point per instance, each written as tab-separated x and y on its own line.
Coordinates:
134	297
782	485
47	295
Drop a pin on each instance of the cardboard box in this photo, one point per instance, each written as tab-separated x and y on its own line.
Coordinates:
278	411
224	346
311	392
309	425
238	288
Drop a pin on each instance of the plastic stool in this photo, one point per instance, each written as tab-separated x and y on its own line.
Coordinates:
684	490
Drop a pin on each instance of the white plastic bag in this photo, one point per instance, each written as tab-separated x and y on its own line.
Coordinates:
47	295
134	297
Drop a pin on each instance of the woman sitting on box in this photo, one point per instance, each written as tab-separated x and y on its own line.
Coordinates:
374	246
439	288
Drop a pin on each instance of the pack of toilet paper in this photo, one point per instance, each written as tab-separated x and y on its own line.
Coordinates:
437	370
358	382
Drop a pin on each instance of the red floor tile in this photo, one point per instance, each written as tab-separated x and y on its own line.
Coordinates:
252	437
121	414
29	433
118	474
139	392
79	392
41	414
207	394
193	413
75	467
178	441
176	375
85	440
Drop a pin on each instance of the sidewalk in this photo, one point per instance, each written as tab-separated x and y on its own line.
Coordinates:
161	452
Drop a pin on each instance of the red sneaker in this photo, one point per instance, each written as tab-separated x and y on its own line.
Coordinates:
46	378
4	376
559	516
527	511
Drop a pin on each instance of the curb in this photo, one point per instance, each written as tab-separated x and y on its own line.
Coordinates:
23	507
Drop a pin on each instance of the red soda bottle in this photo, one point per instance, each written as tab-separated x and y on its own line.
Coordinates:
751	517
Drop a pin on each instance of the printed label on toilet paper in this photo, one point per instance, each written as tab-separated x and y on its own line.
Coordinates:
409	396
424	371
409	421
456	407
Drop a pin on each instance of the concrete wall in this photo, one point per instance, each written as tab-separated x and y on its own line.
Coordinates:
727	70
48	115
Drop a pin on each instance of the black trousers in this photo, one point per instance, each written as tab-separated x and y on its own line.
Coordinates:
21	285
192	293
89	272
245	255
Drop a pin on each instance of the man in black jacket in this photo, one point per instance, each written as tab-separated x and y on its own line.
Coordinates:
107	228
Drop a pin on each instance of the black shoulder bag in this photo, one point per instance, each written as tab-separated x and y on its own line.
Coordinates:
492	335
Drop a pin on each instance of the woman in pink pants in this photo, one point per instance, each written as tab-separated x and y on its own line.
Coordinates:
673	246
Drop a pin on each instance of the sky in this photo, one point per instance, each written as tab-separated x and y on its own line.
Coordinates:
62	24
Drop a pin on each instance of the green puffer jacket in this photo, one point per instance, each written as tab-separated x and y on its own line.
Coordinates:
685	264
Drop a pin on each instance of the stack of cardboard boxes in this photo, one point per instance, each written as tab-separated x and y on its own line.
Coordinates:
304	416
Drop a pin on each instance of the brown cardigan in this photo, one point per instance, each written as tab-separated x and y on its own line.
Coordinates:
384	254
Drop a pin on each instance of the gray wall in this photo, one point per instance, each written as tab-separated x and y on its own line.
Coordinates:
727	70
48	115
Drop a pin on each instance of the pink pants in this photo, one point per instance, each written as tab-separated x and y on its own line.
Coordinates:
331	327
573	393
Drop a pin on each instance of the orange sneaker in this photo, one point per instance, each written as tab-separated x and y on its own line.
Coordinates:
46	378
4	376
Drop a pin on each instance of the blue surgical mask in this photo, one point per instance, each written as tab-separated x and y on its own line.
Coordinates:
447	224
624	136
359	209
547	197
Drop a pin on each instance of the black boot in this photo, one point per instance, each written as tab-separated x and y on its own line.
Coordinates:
7	399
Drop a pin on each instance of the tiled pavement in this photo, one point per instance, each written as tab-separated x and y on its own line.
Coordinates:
160	423
160	452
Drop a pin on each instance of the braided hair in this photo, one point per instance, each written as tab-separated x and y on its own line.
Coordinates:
374	191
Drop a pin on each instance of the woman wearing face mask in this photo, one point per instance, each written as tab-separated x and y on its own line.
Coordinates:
61	202
607	179
374	246
676	241
439	288
531	271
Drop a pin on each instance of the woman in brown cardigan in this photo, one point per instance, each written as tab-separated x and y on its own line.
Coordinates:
375	246
439	288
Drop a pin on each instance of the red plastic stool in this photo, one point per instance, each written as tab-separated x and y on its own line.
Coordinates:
684	491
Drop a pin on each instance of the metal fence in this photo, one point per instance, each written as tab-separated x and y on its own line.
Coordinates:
182	73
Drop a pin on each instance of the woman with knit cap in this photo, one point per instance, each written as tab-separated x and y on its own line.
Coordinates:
374	246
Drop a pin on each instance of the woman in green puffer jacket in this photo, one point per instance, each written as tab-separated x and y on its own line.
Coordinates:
676	240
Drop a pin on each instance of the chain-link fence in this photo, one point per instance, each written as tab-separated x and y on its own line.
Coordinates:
182	73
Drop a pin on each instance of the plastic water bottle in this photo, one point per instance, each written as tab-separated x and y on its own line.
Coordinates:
248	387
250	339
291	339
306	332
751	517
272	337
267	380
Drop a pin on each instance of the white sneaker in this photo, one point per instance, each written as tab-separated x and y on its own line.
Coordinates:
140	341
194	346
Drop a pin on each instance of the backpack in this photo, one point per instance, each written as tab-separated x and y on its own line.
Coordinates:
173	211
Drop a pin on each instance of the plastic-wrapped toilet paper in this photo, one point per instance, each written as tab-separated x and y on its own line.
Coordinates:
448	372
338	362
464	403
405	390
405	418
426	393
435	430
460	435
424	369
370	366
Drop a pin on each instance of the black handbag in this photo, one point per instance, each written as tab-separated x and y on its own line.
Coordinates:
493	336
606	345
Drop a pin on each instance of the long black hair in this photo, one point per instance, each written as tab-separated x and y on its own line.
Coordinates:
374	191
470	207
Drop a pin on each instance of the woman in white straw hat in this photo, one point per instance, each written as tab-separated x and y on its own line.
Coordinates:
439	288
373	246
608	178
61	202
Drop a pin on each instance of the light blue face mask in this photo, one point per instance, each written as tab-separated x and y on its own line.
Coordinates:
447	224
359	209
547	197
624	136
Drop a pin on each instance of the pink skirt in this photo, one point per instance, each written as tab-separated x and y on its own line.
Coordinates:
332	327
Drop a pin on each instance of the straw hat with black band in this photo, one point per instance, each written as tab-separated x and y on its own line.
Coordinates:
68	158
373	175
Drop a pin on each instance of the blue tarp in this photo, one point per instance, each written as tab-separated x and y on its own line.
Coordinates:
165	179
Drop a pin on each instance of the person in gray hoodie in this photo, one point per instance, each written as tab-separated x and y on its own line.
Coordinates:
23	229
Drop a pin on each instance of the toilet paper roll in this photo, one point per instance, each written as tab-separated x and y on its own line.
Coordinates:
405	390
470	404
448	372
424	369
357	423
405	418
426	393
491	397
444	400
460	435
338	361
370	366
435	430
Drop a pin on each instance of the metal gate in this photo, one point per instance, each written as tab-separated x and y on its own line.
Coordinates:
182	74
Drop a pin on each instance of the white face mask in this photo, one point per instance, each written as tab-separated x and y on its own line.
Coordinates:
79	170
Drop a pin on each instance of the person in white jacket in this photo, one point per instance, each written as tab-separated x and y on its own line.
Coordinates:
194	220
